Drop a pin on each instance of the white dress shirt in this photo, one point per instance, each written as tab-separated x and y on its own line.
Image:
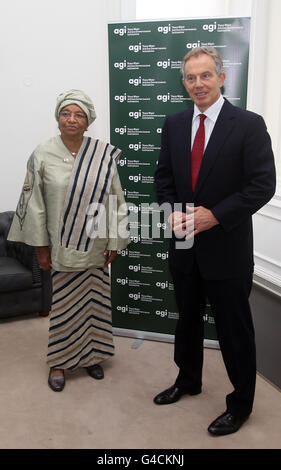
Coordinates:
212	114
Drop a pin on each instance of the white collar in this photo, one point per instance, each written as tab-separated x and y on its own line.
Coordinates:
212	112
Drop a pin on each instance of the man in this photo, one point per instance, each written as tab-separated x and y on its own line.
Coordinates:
227	176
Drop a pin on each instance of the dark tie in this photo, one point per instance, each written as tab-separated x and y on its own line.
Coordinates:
197	151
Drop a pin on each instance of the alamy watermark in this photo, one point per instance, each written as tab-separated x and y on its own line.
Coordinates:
143	221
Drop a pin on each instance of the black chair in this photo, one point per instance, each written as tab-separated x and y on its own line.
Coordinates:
24	287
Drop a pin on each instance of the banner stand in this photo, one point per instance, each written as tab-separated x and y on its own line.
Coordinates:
145	59
151	336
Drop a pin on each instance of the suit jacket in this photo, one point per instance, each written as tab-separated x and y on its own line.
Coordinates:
236	178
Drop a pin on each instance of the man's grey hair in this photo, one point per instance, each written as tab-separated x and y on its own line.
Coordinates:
209	50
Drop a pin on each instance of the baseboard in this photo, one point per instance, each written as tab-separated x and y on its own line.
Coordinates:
267	280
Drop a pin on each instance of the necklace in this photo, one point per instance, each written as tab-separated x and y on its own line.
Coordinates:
66	160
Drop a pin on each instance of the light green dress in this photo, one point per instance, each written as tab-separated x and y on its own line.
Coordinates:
58	208
37	221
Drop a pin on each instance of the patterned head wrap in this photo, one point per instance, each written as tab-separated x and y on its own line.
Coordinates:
79	98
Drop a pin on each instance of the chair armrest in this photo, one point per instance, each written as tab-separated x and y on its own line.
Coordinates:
22	252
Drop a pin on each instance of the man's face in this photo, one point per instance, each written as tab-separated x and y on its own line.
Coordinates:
202	82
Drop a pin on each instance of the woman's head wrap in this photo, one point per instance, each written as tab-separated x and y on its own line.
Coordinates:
79	98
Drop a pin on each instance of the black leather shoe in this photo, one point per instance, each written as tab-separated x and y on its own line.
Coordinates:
173	394
56	382
226	424
96	371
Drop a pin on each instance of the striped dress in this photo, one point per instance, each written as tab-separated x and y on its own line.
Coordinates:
80	332
61	206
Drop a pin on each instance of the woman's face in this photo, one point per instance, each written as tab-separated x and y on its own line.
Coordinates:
73	121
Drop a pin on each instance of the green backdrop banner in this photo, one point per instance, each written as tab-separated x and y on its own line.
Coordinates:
145	86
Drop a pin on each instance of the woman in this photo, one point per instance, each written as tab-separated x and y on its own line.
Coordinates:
72	210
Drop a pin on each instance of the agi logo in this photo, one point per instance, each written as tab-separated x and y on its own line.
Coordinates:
164	29
192	45
122	281
120	31
163	255
135	81
121	98
122	308
135	178
210	27
135	209
123	252
120	130
162	313
164	64
164	98
135	114
135	296
122	162
162	285
135	267
135	147
135	47
120	65
163	226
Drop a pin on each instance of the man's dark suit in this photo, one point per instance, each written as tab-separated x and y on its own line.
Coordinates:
237	177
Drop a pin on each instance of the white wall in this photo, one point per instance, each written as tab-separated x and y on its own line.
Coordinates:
48	47
158	9
272	94
264	97
266	93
